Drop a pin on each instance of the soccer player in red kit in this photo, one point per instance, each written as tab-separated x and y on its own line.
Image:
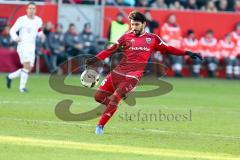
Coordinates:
137	46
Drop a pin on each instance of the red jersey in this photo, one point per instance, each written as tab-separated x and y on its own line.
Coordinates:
136	55
190	44
226	49
171	33
237	49
235	36
208	46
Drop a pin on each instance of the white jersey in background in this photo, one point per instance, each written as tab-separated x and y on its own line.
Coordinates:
28	30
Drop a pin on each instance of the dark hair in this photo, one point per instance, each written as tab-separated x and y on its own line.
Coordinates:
137	16
120	14
31	3
87	25
209	31
190	31
59	25
71	25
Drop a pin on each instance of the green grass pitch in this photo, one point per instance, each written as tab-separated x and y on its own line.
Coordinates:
30	129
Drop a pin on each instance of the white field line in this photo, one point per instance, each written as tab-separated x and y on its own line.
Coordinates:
47	143
133	129
161	107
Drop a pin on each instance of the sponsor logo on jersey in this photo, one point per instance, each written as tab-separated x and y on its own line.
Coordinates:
140	48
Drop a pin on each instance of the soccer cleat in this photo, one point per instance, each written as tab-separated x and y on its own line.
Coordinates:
24	90
99	129
9	82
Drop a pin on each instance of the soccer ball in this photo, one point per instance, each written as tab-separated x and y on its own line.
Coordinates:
89	78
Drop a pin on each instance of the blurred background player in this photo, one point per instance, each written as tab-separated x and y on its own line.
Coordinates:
125	76
208	44
28	26
228	55
172	34
190	43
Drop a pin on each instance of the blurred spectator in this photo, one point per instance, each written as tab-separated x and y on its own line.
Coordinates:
117	28
237	6
228	55
129	2
42	50
222	5
236	33
192	4
110	2
184	3
191	43
119	2
89	40
236	39
5	39
143	3
72	41
48	28
56	43
208	44
151	23
172	34
159	4
209	6
176	6
150	26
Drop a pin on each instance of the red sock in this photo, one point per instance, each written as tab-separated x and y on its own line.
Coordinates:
110	109
108	113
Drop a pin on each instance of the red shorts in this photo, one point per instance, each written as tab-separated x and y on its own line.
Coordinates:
115	81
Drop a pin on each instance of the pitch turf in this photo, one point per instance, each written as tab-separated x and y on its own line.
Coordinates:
210	130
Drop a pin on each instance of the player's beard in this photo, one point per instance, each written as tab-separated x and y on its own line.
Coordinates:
138	32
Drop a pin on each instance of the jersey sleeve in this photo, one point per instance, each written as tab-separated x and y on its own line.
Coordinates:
110	50
121	39
164	48
16	27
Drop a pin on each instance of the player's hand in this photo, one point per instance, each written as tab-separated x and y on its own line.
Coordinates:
194	55
91	61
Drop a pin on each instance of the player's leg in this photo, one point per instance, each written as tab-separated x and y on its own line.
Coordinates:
27	60
24	76
229	68
176	65
236	69
122	89
102	95
16	73
105	90
196	66
11	76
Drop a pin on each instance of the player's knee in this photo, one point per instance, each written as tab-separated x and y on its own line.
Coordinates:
116	97
27	66
100	97
97	97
